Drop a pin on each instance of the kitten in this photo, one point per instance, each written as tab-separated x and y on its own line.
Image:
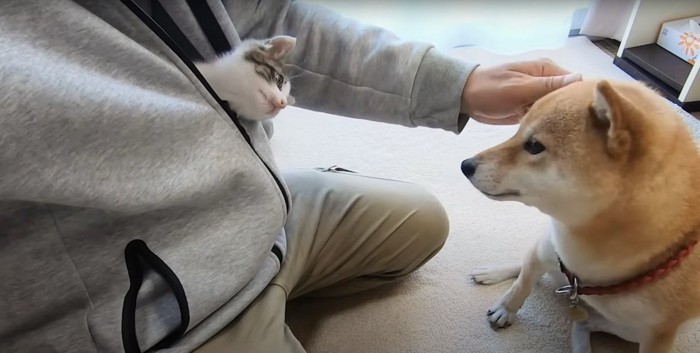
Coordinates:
251	78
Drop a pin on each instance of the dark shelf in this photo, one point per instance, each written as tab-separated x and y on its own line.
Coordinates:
660	63
651	78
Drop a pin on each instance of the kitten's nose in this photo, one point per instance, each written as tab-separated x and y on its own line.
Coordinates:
281	103
469	167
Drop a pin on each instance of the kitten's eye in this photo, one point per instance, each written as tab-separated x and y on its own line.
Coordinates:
279	80
533	147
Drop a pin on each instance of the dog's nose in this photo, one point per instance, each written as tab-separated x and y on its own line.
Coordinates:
469	167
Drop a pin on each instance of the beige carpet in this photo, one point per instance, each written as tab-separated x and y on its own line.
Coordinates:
439	309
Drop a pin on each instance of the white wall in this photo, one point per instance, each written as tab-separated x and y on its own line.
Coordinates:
579	17
506	26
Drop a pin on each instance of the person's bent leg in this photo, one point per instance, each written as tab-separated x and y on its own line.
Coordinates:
345	233
259	329
349	232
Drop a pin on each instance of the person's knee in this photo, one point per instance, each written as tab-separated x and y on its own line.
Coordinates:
416	223
430	222
423	233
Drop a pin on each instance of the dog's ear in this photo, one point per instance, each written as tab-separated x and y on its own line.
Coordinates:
610	110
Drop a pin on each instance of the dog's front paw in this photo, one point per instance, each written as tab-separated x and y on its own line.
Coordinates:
494	274
500	317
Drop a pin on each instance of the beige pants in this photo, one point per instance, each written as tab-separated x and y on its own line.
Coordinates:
346	233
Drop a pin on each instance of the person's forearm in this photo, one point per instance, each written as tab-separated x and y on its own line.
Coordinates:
349	68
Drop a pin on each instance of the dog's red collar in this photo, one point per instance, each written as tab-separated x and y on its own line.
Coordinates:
634	283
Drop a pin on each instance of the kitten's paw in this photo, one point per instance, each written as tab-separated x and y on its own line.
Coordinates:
500	317
494	274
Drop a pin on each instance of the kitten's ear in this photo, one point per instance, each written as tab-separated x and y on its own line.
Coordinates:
278	47
612	110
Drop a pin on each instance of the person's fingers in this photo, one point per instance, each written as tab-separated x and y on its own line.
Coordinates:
509	120
555	82
537	87
512	118
538	68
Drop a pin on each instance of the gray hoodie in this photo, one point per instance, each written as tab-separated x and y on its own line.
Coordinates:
136	212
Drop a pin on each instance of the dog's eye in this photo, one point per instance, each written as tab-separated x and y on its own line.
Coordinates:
533	147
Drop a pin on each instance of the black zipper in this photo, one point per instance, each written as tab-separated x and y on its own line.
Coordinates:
170	42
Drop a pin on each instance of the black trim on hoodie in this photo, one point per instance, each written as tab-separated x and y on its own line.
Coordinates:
138	257
161	17
210	26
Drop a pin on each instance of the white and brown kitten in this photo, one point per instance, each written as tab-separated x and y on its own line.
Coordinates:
251	78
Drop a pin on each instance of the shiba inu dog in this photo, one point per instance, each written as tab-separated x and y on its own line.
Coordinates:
619	174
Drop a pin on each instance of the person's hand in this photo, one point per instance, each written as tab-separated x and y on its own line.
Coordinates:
501	95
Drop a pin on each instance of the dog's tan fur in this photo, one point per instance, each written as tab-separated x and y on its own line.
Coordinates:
620	177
